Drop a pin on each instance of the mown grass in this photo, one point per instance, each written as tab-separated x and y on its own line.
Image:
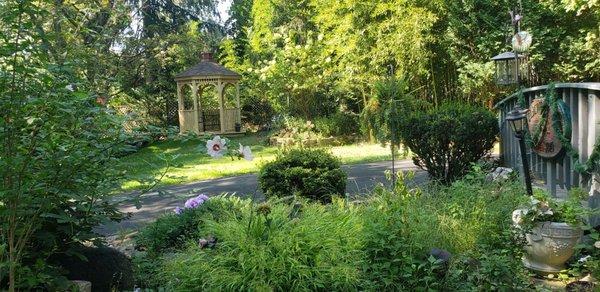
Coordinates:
193	164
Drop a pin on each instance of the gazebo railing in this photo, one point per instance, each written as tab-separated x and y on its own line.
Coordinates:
583	100
188	121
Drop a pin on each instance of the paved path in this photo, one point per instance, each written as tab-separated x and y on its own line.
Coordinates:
361	179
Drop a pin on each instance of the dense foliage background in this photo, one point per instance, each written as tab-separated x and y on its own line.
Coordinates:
314	58
59	144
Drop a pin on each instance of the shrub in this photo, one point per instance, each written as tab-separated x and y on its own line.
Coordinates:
310	173
275	251
469	217
104	267
171	231
339	124
58	168
448	139
298	130
257	111
487	269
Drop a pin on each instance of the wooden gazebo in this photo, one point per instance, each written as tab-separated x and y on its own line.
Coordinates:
192	116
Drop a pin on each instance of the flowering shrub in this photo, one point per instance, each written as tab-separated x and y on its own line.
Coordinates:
217	148
192	203
298	131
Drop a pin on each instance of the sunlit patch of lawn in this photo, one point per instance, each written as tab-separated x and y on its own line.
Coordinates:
193	164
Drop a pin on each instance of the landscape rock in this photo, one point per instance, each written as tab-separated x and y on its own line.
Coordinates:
82	286
209	242
440	254
443	257
499	174
106	268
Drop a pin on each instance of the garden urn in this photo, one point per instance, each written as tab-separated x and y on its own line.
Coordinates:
550	245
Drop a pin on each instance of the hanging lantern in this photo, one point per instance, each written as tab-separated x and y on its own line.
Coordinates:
507	68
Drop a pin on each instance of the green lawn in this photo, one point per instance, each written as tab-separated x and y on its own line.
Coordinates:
194	164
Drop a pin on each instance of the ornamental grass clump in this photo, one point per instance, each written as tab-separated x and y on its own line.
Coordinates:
267	249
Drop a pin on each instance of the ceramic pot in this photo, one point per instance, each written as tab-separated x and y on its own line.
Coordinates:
550	245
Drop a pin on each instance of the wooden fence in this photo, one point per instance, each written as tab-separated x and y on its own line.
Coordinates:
558	174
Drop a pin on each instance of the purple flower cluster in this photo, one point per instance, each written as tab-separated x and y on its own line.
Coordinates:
192	203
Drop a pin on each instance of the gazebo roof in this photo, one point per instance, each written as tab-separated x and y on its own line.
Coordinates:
207	68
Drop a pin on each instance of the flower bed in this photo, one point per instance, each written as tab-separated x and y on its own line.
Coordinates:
382	243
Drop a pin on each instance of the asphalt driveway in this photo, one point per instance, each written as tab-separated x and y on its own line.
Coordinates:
361	179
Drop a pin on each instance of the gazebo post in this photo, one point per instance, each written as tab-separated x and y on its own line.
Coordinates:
200	115
221	106
179	105
195	94
237	103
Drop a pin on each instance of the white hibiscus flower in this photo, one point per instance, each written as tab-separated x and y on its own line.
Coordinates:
246	152
584	259
216	147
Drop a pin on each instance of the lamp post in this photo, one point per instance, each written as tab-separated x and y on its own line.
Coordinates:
508	73
508	64
517	118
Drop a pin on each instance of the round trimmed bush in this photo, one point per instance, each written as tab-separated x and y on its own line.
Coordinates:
446	140
311	173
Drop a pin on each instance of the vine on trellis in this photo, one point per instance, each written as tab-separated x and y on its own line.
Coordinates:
551	105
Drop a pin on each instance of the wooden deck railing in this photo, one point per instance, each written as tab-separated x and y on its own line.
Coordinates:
583	100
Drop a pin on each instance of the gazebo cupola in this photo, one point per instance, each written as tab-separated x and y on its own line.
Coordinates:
199	118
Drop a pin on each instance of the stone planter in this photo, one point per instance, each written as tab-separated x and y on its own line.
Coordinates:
550	245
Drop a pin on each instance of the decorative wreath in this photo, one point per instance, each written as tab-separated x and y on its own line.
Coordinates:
542	118
560	120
